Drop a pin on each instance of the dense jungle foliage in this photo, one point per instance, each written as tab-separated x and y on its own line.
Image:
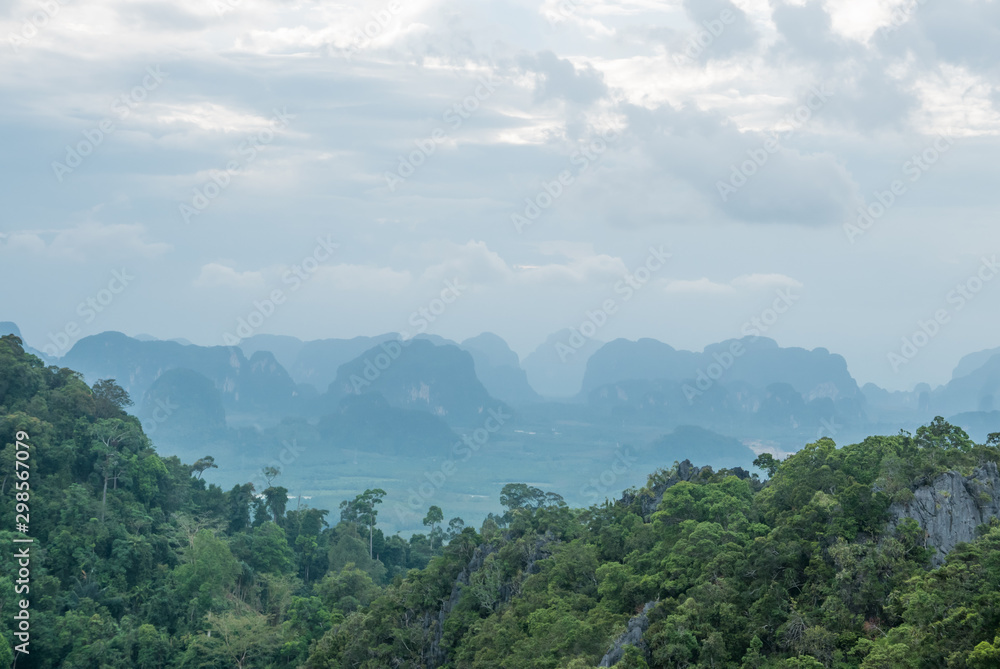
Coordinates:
137	562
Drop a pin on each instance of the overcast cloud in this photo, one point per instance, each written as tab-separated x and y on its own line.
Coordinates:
535	151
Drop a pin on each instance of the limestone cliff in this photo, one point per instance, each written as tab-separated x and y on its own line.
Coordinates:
637	626
951	507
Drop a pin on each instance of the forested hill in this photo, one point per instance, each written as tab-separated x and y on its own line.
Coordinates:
137	562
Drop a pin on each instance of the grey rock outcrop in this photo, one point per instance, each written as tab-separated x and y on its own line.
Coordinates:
435	655
951	507
637	626
433	625
649	500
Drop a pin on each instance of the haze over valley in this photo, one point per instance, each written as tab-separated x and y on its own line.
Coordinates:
433	421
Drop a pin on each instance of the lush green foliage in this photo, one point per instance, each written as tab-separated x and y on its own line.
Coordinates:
801	570
140	563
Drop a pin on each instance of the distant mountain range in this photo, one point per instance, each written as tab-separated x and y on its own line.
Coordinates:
418	374
756	361
381	394
256	386
557	367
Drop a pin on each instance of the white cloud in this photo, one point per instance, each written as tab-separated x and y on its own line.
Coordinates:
472	261
860	19
701	286
88	242
210	116
956	102
683	127
214	275
744	284
476	263
591	270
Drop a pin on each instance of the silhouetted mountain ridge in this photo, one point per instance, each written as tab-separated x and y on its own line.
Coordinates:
440	380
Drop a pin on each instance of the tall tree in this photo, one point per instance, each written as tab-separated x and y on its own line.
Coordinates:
240	499
270	473
110	399
361	509
942	434
455	527
118	442
276	500
200	466
433	517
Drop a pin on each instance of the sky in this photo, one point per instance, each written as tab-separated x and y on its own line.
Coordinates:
324	169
